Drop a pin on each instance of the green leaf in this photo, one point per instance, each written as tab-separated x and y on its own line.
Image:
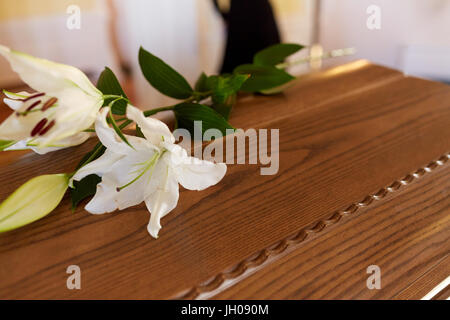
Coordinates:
139	132
84	188
224	89
6	143
201	83
32	201
95	153
187	113
108	84
163	77
262	77
225	107
275	54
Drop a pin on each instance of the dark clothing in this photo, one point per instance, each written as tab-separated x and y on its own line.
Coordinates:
251	27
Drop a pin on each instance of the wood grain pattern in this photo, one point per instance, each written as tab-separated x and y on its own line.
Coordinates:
425	283
402	242
344	134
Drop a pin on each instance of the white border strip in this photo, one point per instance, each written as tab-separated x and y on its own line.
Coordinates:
437	289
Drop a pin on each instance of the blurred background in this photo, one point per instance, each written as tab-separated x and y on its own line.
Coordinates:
212	35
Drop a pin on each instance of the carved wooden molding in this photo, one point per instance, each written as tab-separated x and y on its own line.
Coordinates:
215	283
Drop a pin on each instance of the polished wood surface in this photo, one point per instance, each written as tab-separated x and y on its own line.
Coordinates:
363	179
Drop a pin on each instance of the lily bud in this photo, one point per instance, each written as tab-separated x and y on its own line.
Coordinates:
33	200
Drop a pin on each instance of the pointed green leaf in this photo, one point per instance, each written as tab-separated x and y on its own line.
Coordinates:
163	77
262	77
225	107
95	153
84	188
275	54
224	89
108	84
187	113
139	132
201	83
32	201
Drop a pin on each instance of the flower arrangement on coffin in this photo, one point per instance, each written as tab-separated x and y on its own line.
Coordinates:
122	170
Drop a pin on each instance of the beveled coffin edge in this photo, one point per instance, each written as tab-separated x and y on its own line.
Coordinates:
251	264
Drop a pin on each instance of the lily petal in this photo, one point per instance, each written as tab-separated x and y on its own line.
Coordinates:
108	136
200	175
133	175
75	101
130	179
104	199
193	173
17	127
161	202
14	100
46	76
17	95
13	104
74	140
154	130
71	141
69	119
99	166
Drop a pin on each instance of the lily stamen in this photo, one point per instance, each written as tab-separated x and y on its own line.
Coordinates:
34	110
50	102
40	94
34	104
151	165
61	91
48	127
38	127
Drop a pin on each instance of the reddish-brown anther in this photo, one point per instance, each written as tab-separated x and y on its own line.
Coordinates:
49	103
34	104
45	130
38	127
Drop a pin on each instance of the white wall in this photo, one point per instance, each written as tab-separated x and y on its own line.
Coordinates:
187	34
47	36
414	34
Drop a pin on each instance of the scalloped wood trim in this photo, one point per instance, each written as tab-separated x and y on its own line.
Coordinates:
260	257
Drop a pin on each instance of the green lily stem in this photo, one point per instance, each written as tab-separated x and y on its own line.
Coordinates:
331	54
113	96
198	96
149	113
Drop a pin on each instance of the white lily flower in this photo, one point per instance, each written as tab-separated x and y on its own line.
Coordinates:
149	172
66	103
